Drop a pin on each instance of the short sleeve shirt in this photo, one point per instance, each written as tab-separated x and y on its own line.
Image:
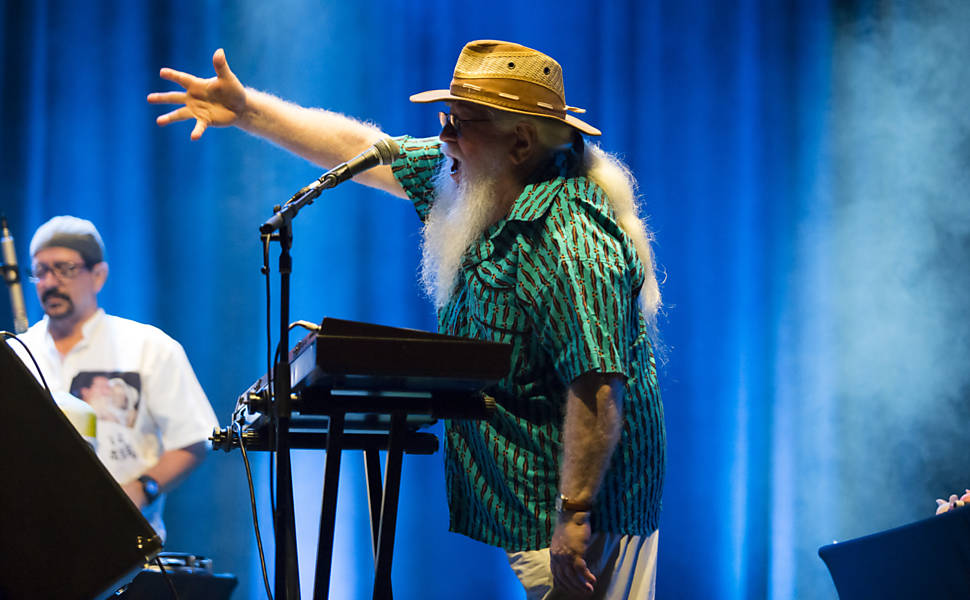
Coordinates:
557	279
141	386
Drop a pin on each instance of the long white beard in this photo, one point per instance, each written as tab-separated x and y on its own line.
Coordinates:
459	216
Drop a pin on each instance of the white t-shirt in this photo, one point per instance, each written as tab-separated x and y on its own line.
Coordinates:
139	382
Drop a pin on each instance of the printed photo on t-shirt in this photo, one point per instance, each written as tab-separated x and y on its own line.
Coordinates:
114	396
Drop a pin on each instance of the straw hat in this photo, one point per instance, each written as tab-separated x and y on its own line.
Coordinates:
509	77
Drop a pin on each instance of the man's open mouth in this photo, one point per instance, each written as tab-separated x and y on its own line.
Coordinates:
455	169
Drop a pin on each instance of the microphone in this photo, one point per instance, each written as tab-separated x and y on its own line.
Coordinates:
381	153
11	275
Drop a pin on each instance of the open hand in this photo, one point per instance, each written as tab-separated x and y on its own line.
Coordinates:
219	101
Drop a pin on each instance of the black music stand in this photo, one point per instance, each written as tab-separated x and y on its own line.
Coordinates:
925	559
380	367
398	436
361	386
67	529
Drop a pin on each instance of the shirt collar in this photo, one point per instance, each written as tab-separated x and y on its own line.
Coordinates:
92	323
534	200
87	328
531	204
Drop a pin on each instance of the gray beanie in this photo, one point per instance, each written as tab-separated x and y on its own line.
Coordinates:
70	232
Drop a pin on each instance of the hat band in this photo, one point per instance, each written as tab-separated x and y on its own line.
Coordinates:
511	94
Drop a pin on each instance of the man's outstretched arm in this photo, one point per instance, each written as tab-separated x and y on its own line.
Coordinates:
323	137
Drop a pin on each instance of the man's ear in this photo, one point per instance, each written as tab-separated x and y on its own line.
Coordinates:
100	271
526	143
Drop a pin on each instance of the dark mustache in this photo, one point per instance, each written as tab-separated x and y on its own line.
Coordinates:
54	293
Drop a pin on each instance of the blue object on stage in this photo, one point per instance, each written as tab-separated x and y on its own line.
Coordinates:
925	559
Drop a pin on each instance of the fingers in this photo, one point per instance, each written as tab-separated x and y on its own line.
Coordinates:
183	114
179	114
167	98
566	556
183	79
219	62
587	577
580	577
198	130
572	574
221	65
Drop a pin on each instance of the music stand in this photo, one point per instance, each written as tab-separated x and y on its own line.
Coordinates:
925	559
67	529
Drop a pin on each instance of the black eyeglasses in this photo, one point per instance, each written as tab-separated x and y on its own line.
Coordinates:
61	270
450	119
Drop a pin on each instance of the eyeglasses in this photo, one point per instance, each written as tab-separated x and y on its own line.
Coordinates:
61	270
450	119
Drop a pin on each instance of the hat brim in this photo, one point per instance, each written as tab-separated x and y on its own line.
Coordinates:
446	95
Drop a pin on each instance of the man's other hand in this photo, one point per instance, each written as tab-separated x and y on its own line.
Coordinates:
567	554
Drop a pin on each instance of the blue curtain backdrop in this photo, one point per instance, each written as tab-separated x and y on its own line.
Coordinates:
803	165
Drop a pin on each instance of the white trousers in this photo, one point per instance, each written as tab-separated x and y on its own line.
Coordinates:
625	567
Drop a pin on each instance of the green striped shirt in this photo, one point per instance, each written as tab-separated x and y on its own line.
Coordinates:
558	280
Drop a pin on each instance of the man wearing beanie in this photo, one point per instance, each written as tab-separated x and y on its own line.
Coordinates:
531	238
153	417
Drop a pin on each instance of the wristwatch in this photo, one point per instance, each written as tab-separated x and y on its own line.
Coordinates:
150	487
564	504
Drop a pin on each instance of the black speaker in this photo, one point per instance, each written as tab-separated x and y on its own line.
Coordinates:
67	530
925	559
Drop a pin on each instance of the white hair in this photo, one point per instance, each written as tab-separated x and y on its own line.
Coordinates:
620	187
618	182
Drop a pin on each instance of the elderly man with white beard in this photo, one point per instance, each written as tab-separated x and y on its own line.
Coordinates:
531	238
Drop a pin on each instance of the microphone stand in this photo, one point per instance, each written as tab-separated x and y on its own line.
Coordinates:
287	585
279	227
287	571
302	198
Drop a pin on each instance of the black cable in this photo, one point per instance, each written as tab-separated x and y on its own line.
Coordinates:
13	336
168	580
252	500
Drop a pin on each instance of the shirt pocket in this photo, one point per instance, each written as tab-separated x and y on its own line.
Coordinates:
495	313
